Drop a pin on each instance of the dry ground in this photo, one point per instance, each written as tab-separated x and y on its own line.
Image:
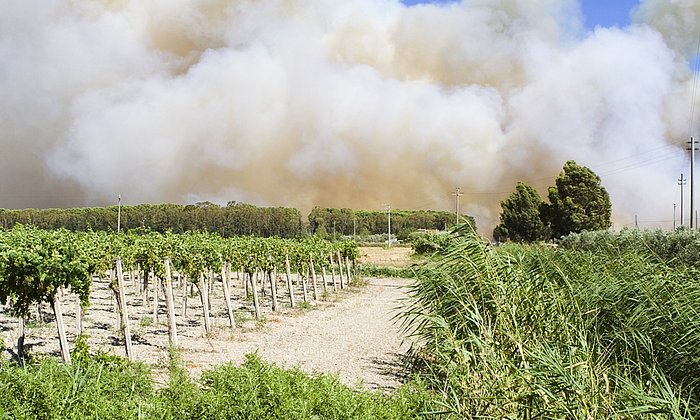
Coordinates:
350	333
396	256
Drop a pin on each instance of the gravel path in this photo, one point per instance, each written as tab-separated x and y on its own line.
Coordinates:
355	338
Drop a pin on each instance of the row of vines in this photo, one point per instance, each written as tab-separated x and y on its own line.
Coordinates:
38	266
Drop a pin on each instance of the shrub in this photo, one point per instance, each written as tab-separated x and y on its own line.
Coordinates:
429	242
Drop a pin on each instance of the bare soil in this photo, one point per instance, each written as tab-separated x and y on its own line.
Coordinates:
396	256
350	333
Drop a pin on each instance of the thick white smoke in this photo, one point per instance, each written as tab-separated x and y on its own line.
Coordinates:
357	104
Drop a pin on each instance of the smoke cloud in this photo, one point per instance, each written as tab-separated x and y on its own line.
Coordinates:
359	104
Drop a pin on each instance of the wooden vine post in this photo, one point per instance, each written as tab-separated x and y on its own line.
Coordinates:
323	276
112	278
184	296
254	289
124	316
245	286
20	339
340	271
313	276
347	267
170	304
273	290
205	302
290	287
145	288
335	282
304	283
63	339
272	276
156	286
227	293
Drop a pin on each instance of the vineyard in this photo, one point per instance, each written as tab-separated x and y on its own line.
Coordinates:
180	280
603	325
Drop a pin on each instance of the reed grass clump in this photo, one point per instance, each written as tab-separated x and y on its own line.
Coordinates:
539	332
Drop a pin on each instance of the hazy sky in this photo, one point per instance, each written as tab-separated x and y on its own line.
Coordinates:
359	103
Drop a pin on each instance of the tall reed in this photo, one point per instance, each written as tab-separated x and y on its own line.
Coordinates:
538	332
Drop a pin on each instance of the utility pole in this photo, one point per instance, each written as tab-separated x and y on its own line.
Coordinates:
119	213
692	149
674	216
636	224
681	183
388	212
457	194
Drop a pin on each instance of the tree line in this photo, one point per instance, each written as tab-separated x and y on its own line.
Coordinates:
577	202
329	222
233	219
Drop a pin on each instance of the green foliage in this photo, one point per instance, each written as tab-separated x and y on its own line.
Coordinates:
520	332
321	232
35	263
255	390
681	246
258	390
381	271
578	202
81	350
520	217
146	321
87	388
429	242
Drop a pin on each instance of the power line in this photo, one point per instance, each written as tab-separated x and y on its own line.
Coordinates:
692	149
119	213
457	194
681	183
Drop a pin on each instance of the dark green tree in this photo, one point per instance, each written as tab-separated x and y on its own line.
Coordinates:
578	202
520	216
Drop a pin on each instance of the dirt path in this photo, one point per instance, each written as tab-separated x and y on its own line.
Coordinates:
354	337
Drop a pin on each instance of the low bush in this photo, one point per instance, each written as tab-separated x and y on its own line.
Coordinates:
386	271
99	388
48	389
429	242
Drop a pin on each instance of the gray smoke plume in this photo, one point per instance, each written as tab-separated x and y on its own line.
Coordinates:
357	104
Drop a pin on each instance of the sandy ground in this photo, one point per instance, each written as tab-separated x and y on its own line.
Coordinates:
349	333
